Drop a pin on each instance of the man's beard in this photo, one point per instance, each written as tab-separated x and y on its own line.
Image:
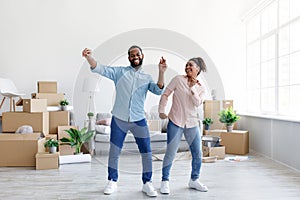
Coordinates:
134	65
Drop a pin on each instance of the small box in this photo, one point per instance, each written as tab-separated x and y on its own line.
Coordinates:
34	105
39	121
214	151
52	99
47	160
19	150
47	86
58	118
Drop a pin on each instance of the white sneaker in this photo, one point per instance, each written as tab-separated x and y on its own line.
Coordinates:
110	187
149	189
164	187
197	185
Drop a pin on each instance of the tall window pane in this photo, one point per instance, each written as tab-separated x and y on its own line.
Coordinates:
295	99
253	77
253	54
295	36
268	48
268	74
294	9
295	68
268	100
284	11
253	29
253	101
284	100
269	18
284	71
284	41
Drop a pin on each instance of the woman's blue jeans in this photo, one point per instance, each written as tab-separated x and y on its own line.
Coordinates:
193	138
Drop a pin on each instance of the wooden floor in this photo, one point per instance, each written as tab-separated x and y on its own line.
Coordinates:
254	178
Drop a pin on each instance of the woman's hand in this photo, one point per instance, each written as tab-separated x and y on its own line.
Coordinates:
163	116
192	81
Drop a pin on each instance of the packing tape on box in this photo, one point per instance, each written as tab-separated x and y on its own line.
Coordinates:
80	158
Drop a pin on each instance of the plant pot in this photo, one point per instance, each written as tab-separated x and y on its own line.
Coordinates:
52	149
64	108
229	128
206	127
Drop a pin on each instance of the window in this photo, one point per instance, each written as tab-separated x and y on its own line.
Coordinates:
273	59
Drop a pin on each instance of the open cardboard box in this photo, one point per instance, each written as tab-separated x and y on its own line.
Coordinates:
20	149
236	142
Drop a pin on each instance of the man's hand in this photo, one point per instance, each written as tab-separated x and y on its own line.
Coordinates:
163	116
162	66
86	52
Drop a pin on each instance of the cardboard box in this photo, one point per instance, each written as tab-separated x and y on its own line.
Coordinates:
52	98
54	136
65	149
214	151
236	142
227	104
47	86
39	121
47	161
211	108
34	105
58	118
20	149
154	125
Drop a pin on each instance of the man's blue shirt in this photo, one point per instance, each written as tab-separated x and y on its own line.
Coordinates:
131	90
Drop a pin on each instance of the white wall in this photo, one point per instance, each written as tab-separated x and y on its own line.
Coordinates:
276	139
43	39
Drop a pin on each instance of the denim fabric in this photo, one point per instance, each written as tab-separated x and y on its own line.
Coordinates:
141	134
174	135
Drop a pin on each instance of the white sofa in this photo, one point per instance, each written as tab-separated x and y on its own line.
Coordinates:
158	136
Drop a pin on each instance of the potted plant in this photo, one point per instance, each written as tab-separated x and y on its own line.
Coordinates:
207	122
90	121
52	145
77	138
228	117
90	115
63	103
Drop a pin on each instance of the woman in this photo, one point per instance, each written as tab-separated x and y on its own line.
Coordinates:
183	118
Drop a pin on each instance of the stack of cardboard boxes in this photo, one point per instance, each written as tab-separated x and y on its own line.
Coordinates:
21	149
235	142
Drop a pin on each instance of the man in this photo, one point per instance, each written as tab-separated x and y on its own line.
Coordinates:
132	85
